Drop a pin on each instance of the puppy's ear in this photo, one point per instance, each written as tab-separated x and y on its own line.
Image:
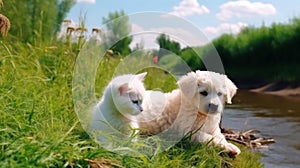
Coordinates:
230	90
188	84
141	76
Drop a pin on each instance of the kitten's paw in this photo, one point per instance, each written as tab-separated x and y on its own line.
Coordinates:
232	149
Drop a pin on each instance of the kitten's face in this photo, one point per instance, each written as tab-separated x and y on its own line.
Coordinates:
130	95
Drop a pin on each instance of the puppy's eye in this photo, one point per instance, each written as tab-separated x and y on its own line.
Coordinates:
220	94
135	101
204	93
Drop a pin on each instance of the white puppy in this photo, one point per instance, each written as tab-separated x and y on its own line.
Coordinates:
195	107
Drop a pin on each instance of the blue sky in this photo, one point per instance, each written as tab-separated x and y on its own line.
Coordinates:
212	17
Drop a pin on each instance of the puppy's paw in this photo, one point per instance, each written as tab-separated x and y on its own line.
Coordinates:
232	149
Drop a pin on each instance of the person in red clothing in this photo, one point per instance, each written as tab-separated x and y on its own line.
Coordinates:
155	59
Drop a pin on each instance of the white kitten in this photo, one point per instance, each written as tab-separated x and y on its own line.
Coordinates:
121	102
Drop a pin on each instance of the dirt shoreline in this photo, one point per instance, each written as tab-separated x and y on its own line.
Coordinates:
285	89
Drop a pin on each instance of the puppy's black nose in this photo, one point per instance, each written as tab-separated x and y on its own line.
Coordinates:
212	107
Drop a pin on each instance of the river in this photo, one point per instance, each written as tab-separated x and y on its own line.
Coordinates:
276	117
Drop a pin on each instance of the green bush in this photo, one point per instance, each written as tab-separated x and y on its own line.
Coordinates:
266	53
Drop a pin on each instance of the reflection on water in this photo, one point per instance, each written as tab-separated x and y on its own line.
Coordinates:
276	117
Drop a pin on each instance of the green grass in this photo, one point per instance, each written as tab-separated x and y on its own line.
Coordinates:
39	127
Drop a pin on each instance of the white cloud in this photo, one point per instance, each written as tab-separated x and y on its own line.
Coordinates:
136	28
224	28
189	7
245	8
87	1
143	38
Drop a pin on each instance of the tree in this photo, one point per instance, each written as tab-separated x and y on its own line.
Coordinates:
116	37
191	58
36	20
164	42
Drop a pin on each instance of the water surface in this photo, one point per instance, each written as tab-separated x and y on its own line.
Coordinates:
276	117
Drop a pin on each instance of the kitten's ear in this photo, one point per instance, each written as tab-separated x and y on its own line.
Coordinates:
141	76
123	89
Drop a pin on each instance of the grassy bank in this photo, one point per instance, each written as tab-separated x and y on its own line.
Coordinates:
39	127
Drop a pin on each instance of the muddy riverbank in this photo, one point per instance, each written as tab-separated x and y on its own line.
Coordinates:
281	88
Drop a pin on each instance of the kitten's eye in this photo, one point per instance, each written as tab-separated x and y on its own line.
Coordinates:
220	94
135	101
204	93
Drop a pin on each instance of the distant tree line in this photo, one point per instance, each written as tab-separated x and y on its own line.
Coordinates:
264	53
270	53
267	52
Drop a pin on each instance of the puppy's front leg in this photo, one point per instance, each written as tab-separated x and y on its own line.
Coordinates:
206	137
231	148
218	140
